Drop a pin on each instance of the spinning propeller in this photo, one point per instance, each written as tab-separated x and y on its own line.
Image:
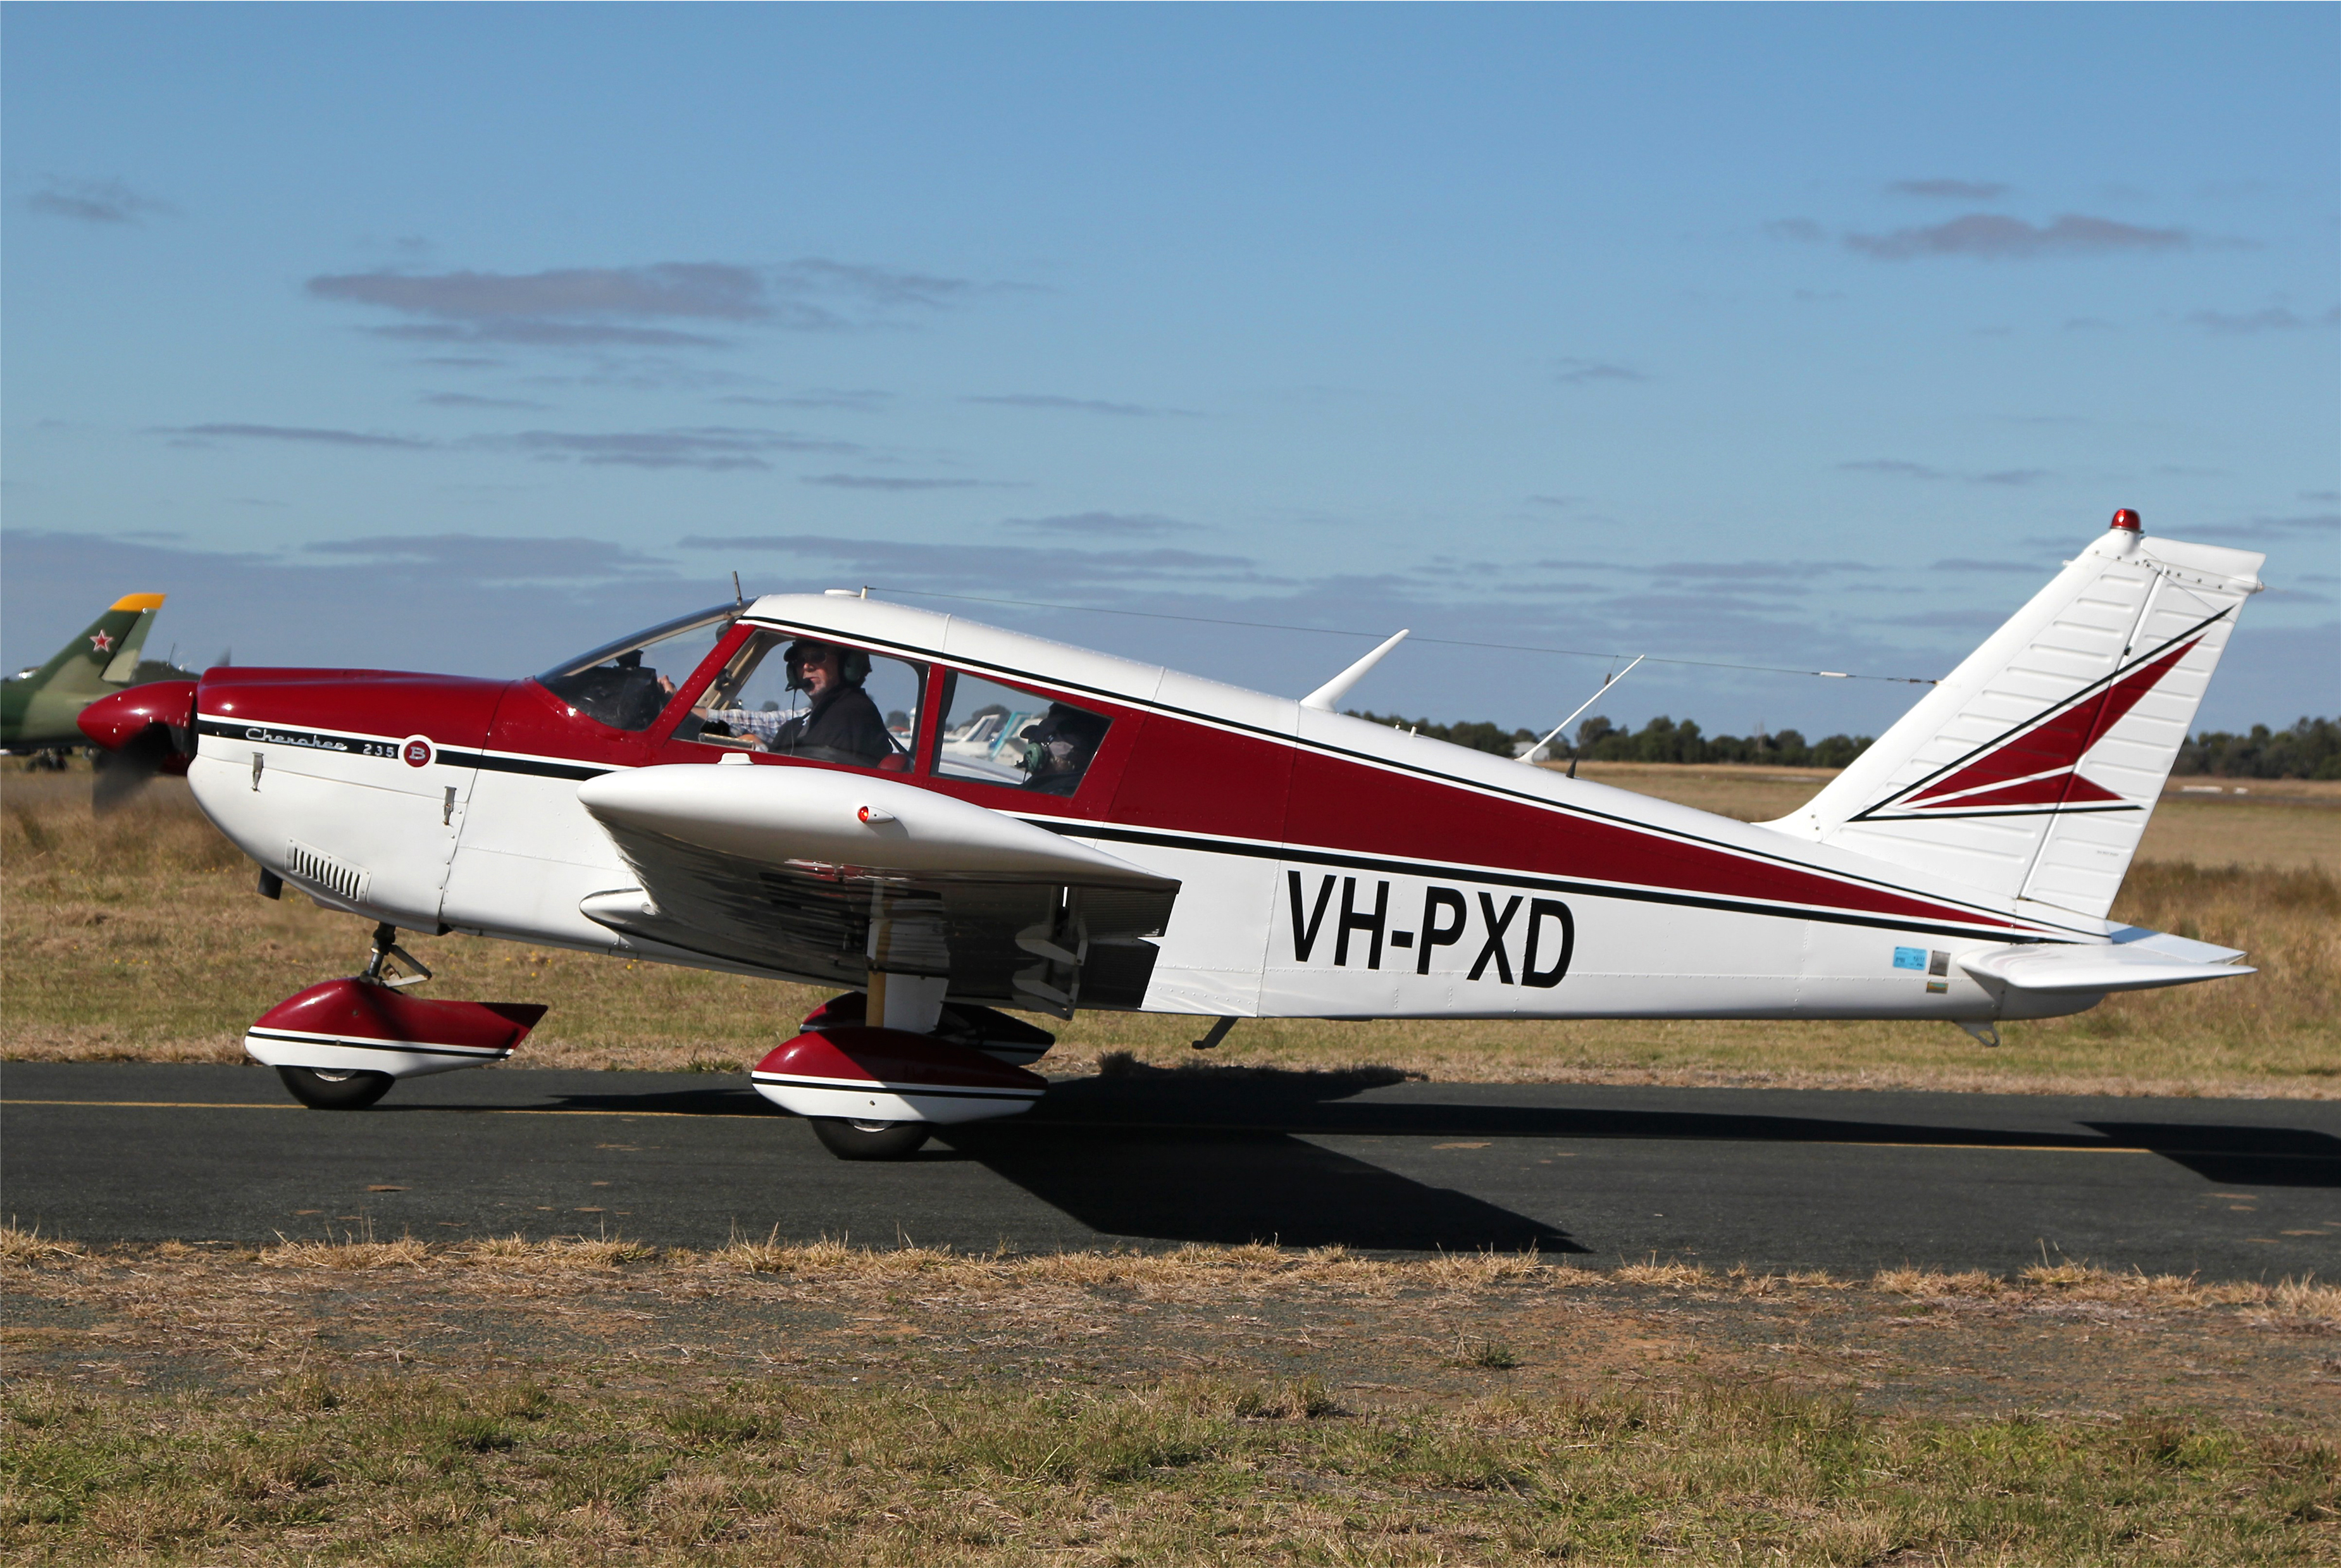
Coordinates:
139	734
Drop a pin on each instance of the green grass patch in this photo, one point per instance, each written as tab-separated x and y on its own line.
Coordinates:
410	1470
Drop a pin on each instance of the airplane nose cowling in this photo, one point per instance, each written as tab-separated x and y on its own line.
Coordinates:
113	722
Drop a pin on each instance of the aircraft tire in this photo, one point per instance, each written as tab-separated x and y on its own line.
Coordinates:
322	1088
870	1140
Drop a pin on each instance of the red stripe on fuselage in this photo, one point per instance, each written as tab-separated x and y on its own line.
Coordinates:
1342	804
1170	773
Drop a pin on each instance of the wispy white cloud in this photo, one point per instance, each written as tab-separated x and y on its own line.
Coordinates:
96	201
904	483
1082	406
1093	525
1901	468
307	435
573	307
1571	372
1994	236
1013	569
2273	318
714	448
1952	189
470	399
484	558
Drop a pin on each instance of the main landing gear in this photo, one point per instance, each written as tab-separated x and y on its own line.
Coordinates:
334	1088
850	1140
878	1093
341	1044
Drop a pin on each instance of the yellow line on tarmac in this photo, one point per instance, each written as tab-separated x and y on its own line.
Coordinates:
257	1105
1231	1127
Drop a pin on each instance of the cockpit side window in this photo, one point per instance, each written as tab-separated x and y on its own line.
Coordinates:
805	696
625	685
1005	735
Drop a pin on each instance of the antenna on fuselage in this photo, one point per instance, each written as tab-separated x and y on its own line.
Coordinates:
1333	691
1530	756
738	597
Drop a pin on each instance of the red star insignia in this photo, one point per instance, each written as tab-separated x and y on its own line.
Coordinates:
101	642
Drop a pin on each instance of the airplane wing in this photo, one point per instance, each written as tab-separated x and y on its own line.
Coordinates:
790	868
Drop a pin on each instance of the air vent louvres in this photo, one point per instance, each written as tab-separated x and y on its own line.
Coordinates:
347	882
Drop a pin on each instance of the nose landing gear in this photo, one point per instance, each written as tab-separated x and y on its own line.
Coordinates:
341	1044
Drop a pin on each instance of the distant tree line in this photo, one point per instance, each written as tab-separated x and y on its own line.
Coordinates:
2310	749
1661	741
1480	737
1664	741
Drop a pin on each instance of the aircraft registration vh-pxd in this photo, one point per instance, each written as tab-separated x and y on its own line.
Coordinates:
943	819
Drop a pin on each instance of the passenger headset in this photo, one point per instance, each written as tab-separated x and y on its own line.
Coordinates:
1062	723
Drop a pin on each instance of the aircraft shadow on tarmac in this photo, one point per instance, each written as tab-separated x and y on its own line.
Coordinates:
1218	1155
1233	1187
2237	1156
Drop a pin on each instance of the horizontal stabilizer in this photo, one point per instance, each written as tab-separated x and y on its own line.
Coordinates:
2144	939
2092	970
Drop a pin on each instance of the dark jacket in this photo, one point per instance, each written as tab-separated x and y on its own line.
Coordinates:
842	728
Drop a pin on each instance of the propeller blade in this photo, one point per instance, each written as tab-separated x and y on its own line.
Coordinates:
125	771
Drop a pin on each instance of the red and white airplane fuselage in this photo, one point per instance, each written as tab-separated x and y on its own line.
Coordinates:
1219	852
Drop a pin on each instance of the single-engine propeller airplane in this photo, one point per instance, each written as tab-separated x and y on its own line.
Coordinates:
943	819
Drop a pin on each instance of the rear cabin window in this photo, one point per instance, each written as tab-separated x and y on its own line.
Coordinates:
625	685
1006	735
811	698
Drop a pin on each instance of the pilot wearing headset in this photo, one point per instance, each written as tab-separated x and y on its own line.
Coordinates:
842	724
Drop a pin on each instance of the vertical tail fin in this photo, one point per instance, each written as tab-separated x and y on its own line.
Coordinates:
106	655
2031	771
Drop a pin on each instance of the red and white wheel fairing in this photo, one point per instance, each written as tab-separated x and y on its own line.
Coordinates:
355	1025
866	1075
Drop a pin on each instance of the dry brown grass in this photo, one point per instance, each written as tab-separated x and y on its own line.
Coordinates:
1202	1271
27	1248
527	1401
136	938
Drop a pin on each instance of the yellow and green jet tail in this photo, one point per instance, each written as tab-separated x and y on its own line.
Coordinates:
38	708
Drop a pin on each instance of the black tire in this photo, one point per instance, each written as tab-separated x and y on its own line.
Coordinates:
333	1089
870	1140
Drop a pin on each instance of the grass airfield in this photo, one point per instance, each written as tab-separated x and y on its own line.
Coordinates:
379	1399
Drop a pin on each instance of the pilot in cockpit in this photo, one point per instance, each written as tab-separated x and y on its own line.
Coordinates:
842	725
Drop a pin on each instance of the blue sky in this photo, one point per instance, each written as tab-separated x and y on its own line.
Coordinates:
461	337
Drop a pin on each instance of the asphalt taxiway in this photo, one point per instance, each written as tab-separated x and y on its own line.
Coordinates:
1776	1179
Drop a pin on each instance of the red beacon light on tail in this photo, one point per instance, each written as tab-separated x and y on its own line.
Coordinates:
2126	518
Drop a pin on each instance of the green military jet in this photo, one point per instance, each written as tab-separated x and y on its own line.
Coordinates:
38	707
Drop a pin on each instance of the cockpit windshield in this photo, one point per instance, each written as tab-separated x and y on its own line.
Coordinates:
625	685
